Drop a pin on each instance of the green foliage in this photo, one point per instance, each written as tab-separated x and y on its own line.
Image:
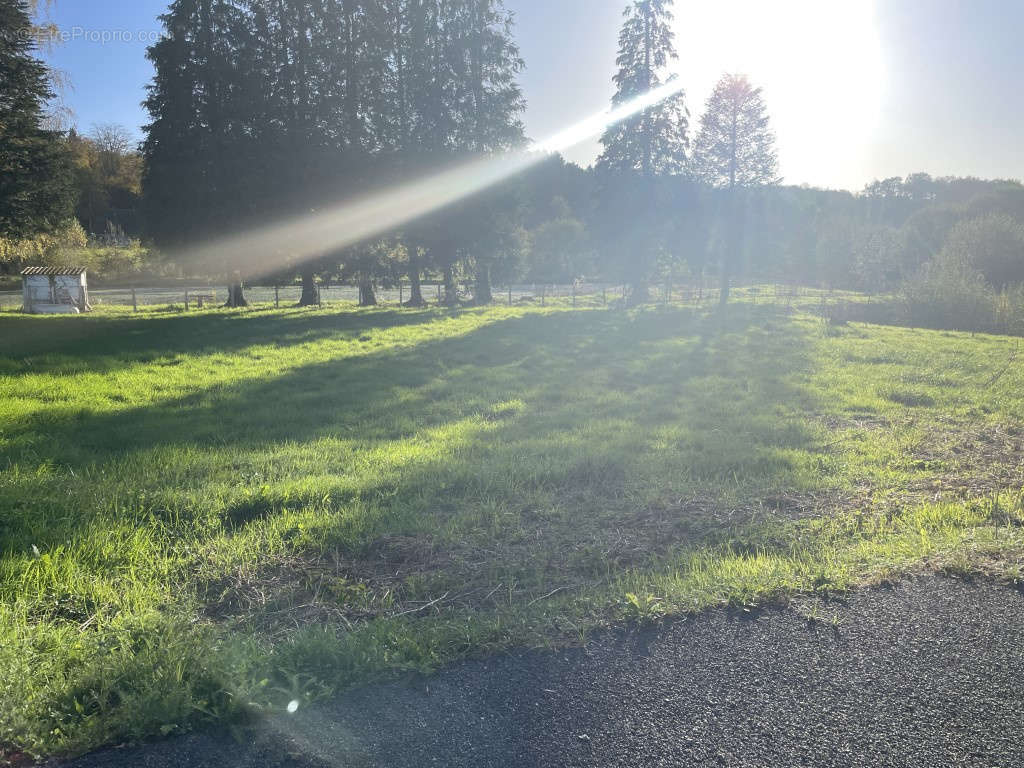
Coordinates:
58	248
651	143
878	256
559	251
654	141
69	245
992	245
35	186
643	609
968	285
735	149
252	119
108	179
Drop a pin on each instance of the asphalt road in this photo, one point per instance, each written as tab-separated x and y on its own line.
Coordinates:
930	673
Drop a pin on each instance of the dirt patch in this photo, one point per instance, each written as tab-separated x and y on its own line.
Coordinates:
337	588
956	458
970	461
276	598
867	421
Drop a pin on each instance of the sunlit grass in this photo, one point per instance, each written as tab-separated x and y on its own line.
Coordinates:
207	515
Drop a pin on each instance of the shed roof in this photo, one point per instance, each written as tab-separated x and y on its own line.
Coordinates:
52	271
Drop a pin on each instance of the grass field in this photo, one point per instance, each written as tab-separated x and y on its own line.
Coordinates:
206	516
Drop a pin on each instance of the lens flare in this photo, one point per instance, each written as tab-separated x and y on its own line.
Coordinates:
595	124
264	250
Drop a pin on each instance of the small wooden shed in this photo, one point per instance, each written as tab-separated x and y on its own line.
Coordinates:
55	290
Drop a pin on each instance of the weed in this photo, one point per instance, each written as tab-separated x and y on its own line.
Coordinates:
643	609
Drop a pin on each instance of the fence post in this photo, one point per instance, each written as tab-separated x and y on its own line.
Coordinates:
401	293
574	294
543	291
135	304
186	301
510	294
277	298
319	297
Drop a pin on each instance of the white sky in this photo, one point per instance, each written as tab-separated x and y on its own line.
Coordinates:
819	63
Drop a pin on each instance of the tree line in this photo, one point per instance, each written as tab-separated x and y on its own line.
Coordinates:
263	110
274	107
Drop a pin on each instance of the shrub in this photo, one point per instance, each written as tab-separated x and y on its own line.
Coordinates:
109	261
992	244
947	293
950	293
69	245
54	249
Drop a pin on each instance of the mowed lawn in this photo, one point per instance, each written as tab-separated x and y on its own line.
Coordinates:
205	516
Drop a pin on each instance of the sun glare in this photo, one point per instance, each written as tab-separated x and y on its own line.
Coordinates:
597	123
266	249
819	63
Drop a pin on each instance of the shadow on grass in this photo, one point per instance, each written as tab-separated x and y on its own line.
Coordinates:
536	453
33	345
590	410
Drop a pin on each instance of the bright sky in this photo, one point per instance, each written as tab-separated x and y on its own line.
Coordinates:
857	89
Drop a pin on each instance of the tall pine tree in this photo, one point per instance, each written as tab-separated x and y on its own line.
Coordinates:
207	116
651	143
735	149
453	96
492	104
654	140
36	193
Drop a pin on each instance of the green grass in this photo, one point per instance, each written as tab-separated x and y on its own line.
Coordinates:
208	515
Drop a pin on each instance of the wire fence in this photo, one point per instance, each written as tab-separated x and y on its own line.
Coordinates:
582	294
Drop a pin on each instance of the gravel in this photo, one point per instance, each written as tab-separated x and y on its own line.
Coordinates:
928	673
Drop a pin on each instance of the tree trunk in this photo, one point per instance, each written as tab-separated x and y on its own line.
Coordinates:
732	251
451	290
723	290
639	293
482	290
308	297
367	296
415	289
728	260
236	296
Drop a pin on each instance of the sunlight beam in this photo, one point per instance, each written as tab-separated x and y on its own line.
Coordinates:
266	249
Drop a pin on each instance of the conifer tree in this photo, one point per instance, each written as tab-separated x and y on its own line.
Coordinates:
36	192
735	149
490	123
269	108
425	81
651	143
202	170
